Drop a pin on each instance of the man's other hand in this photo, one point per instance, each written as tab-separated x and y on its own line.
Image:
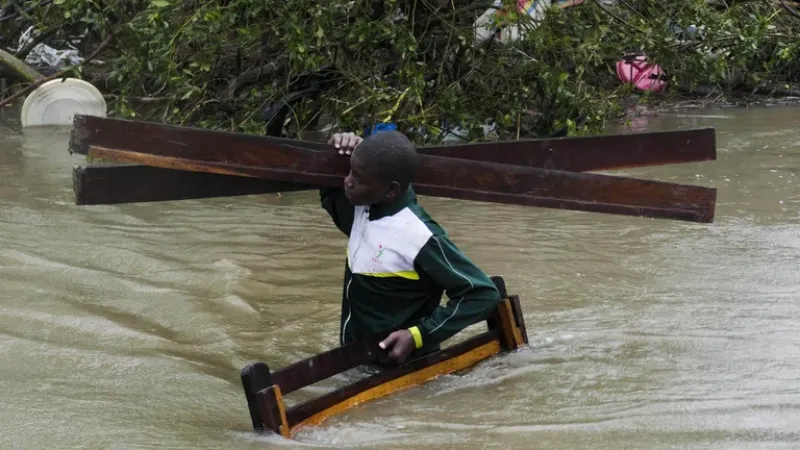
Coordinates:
399	345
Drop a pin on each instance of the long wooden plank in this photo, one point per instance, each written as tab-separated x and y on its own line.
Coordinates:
102	185
108	185
443	177
316	410
592	153
576	154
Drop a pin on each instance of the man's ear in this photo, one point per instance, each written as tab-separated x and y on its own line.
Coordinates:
393	191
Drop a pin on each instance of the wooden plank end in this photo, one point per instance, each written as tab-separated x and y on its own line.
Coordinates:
272	409
516	307
509	336
255	377
501	285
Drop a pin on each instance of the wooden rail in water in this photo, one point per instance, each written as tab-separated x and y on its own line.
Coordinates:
265	390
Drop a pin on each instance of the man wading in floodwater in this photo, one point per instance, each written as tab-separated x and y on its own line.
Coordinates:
399	261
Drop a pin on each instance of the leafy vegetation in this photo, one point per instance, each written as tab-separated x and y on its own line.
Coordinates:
352	63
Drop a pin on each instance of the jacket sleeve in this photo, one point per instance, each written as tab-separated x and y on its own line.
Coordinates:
472	296
338	207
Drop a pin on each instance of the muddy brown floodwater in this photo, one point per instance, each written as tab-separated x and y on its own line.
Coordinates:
126	326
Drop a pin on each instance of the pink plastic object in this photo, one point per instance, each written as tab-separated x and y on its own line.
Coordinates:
641	74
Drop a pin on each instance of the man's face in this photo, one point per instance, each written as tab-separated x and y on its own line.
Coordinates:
361	185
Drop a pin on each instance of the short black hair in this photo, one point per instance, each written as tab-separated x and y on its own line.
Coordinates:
390	155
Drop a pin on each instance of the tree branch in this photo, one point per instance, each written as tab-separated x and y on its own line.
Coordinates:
252	76
789	9
605	10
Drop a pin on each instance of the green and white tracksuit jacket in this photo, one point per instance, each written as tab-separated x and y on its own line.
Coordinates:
399	263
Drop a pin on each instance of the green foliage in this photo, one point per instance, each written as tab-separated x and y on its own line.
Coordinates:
217	64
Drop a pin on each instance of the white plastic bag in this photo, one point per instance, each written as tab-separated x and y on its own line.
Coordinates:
485	28
44	55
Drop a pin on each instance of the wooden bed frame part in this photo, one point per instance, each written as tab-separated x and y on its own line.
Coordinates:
264	390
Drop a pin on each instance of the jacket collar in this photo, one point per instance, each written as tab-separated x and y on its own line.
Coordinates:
384	210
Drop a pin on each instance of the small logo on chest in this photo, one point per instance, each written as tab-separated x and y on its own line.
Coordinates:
377	258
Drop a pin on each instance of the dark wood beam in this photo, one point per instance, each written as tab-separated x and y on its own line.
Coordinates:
437	176
106	184
576	154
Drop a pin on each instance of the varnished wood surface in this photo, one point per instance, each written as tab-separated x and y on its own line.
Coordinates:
256	377
325	365
102	185
577	154
271	404
446	177
519	320
302	412
448	366
509	334
592	153
108	185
